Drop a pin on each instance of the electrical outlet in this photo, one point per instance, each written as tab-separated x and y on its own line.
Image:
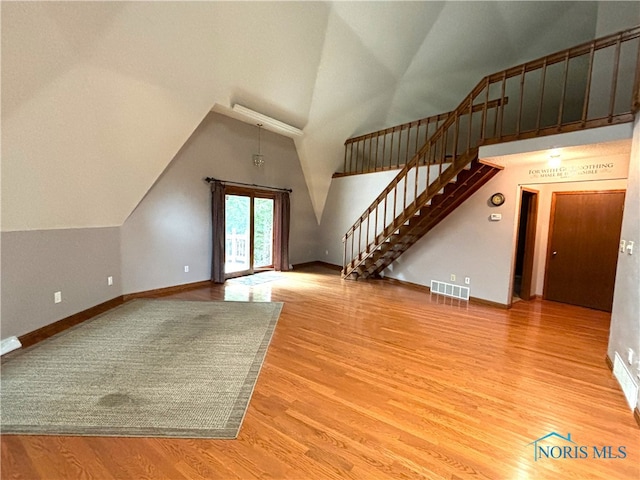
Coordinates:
630	356
630	247
57	297
467	280
623	244
109	280
453	277
186	269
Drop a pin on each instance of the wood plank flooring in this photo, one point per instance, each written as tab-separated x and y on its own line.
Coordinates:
368	380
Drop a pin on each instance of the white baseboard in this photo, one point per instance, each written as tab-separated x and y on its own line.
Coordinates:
9	344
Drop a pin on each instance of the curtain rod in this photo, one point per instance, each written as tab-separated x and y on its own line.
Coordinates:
211	180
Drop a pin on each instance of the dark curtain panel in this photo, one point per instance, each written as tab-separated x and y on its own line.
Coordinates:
217	213
281	226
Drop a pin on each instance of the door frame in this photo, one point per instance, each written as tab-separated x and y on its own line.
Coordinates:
551	223
252	193
529	242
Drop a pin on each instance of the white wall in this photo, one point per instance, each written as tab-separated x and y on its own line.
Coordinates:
466	243
625	318
350	196
171	227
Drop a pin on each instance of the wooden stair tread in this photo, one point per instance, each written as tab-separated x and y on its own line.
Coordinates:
418	221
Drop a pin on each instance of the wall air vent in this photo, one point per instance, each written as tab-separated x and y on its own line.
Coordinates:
450	290
629	387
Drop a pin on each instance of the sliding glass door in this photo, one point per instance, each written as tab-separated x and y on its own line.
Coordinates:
237	234
248	231
262	232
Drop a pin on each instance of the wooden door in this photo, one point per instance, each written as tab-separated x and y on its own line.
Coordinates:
583	248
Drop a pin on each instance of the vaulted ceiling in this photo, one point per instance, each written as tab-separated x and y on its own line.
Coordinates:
98	97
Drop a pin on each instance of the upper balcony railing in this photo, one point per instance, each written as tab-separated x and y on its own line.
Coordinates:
389	148
393	147
592	85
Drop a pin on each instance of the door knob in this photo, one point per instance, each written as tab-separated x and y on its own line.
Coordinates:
555	253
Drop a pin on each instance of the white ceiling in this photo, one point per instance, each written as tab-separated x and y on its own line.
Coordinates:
97	97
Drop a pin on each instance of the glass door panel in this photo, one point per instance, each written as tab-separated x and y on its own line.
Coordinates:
262	232
237	233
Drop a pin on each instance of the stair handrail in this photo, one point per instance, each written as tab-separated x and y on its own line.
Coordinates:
429	154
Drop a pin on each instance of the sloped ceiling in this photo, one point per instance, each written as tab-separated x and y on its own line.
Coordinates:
97	97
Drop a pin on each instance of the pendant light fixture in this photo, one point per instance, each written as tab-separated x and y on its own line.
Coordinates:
258	158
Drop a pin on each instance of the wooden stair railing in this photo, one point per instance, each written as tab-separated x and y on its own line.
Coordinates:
391	148
591	85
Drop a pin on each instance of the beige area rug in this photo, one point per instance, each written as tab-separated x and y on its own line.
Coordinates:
147	368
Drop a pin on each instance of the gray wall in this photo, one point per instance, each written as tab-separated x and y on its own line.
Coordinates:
625	318
615	16
37	263
171	227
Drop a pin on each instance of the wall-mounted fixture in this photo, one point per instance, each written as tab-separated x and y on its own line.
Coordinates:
258	158
497	199
555	159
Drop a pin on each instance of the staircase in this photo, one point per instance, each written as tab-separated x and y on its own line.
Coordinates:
591	85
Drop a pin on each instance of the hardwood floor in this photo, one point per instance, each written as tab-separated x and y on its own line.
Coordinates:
369	380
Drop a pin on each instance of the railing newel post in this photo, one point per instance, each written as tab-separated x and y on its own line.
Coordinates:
344	169
543	78
406	156
614	79
587	93
519	119
564	91
502	103
483	125
470	122
344	256
635	94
